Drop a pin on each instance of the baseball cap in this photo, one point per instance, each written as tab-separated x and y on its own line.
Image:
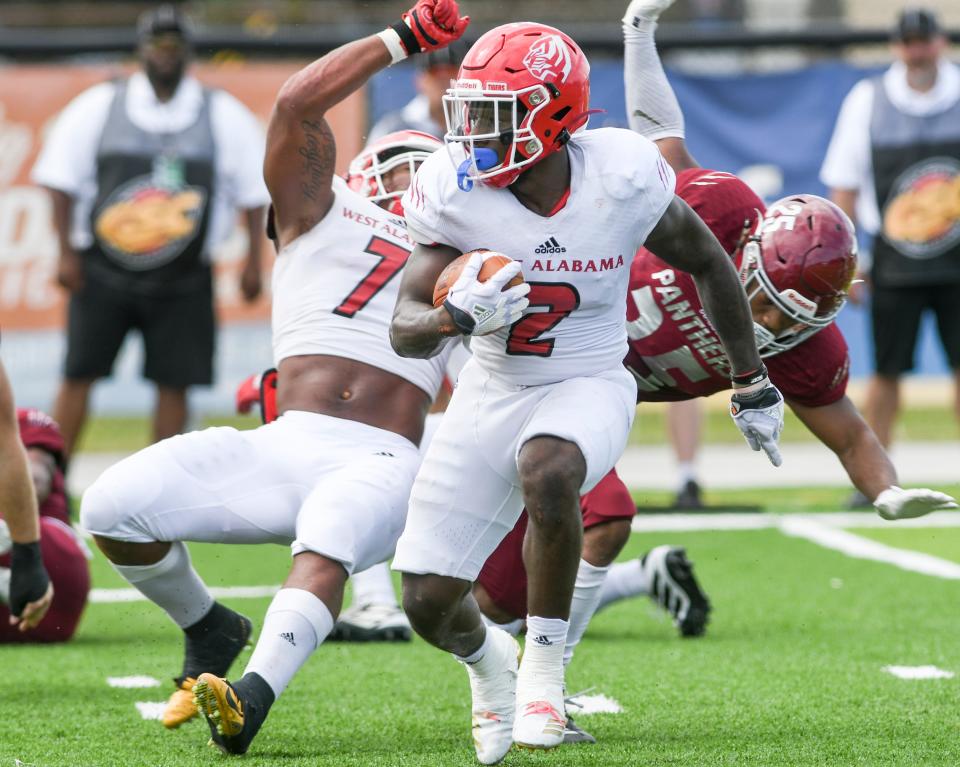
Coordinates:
916	24
163	20
451	56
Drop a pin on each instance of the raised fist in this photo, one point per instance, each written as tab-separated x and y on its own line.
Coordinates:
431	25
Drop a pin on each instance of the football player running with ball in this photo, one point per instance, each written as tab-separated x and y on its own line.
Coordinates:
332	474
542	410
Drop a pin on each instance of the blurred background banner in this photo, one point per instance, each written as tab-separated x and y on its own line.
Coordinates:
770	128
32	306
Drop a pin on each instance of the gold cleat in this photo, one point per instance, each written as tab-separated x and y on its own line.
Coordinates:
216	700
180	706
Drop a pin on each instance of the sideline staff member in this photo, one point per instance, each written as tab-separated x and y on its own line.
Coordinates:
146	174
894	161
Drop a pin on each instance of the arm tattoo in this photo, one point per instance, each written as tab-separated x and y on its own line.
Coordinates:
319	155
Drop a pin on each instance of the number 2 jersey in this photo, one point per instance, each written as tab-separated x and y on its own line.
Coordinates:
675	354
335	287
577	260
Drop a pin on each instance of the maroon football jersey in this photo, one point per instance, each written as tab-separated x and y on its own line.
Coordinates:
675	354
37	429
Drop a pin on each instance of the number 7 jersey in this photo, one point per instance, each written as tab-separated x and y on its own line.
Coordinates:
577	260
335	286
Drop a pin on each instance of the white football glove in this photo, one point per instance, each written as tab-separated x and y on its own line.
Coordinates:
479	308
897	503
758	413
649	10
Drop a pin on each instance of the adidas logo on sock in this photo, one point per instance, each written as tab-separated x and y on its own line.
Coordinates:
542	640
551	246
288	635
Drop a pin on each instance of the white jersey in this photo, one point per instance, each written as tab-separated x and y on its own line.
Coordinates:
335	287
577	261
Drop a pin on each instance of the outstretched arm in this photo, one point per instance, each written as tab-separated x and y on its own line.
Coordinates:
841	428
301	151
683	240
30	590
652	107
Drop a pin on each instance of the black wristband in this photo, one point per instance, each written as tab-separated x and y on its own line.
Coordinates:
407	37
25	554
748	379
464	322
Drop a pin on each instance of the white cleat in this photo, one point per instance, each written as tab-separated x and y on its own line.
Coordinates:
648	10
493	686
540	717
372	622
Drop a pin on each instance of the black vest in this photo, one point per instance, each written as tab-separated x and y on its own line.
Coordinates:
916	173
152	208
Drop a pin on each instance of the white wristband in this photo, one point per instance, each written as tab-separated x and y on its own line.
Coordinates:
395	48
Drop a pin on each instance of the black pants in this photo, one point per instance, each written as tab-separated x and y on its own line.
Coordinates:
896	314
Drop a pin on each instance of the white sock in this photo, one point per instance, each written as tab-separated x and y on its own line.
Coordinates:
295	625
474	658
172	584
624	580
513	628
645	84
543	650
374	586
586	597
686	472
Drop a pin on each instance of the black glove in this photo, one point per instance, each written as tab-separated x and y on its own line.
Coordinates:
28	578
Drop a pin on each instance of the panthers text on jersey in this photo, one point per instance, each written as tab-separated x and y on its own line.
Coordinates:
675	354
335	286
577	260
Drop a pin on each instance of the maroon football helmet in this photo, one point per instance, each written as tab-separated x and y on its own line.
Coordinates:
803	255
525	85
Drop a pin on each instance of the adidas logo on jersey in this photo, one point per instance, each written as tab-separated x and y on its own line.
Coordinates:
551	246
288	635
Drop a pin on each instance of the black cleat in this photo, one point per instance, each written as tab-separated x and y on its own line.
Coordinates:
689	497
673	587
573	733
235	712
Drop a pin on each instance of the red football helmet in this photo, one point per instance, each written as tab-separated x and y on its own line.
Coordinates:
366	171
525	86
803	255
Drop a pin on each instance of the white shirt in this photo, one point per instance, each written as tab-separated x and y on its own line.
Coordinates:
68	160
848	163
576	260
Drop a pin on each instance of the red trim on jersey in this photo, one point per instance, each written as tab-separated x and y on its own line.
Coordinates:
560	203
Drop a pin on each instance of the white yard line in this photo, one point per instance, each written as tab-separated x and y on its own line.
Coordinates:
858	547
595	704
150	710
133	682
229	592
679	523
919	672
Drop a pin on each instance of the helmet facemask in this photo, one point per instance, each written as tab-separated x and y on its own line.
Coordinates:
475	115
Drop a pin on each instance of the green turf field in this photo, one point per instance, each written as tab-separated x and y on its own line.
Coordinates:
789	673
110	433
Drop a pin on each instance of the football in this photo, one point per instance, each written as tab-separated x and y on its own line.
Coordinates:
491	266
